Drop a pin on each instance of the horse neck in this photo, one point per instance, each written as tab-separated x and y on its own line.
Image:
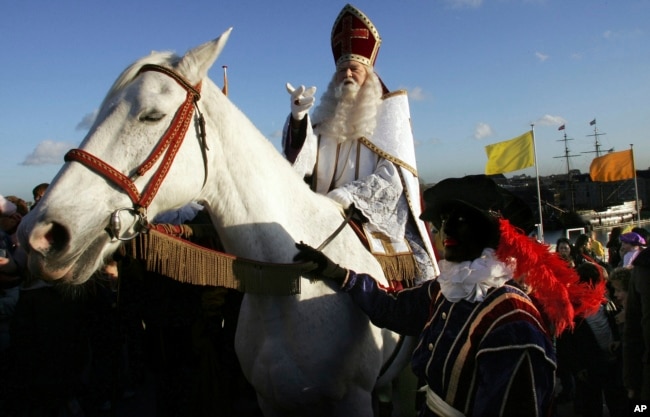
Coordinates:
259	204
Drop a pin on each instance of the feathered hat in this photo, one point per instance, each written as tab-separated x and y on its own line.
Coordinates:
554	285
354	37
482	195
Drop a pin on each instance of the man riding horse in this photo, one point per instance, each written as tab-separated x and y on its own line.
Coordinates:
357	148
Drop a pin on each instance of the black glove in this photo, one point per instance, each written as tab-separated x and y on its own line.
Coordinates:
325	268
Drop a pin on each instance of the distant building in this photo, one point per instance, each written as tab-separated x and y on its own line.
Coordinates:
563	194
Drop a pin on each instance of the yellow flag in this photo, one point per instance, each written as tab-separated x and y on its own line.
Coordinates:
614	166
510	155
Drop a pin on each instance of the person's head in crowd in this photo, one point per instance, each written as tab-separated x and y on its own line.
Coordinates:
619	280
632	239
615	233
38	192
7	208
631	246
641	232
21	205
590	273
10	213
564	248
583	243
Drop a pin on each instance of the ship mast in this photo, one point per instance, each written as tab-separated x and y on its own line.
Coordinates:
596	141
566	156
598	152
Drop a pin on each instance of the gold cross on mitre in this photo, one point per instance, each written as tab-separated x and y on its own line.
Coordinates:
354	37
347	34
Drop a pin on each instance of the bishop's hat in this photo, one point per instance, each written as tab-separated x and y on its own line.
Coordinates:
354	37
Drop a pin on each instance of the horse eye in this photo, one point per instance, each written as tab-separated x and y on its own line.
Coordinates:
153	116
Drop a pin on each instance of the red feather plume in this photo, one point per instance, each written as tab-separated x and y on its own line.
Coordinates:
555	286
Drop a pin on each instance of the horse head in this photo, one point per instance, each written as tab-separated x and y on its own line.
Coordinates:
127	168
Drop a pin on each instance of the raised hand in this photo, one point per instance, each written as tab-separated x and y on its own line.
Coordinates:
301	100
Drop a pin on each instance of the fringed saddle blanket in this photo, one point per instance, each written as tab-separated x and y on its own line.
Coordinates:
190	253
168	250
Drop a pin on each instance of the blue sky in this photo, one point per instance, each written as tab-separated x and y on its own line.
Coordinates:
477	71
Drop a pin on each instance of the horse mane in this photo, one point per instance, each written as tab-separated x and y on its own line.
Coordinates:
165	58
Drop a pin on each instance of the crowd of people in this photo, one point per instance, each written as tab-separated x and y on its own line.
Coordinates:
601	361
505	326
93	350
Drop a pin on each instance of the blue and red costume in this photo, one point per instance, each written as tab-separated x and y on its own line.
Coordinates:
488	358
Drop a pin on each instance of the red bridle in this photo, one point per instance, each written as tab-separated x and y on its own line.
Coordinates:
168	146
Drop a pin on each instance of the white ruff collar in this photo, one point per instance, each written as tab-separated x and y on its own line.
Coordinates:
471	280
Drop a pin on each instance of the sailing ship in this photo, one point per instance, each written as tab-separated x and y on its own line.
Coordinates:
610	214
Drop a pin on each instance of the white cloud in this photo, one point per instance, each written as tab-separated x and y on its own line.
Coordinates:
482	131
550	120
616	35
417	94
47	152
87	121
464	4
542	57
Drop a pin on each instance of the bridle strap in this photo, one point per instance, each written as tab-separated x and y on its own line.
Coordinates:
119	179
195	90
193	96
171	141
168	145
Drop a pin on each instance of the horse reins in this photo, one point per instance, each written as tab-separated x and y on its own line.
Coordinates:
346	220
168	146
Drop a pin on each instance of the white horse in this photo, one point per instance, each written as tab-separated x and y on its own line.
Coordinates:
314	353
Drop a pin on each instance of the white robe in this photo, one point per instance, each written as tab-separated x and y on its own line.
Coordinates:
378	175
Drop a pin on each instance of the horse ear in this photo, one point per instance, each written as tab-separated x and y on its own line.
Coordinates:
197	61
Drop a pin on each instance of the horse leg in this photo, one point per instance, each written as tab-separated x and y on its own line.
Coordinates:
396	390
397	399
404	394
382	403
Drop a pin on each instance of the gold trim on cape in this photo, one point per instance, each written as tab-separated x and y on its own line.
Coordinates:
374	148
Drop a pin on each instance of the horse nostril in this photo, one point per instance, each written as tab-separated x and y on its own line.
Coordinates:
58	237
49	237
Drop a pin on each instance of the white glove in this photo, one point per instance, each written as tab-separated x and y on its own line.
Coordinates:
301	100
341	196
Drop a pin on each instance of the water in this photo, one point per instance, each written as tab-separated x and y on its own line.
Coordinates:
551	236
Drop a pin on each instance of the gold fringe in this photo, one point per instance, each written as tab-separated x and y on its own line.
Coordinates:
167	253
190	263
399	267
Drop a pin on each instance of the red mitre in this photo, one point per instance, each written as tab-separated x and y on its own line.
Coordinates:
354	37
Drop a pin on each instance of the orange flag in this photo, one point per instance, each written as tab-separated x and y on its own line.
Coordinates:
615	166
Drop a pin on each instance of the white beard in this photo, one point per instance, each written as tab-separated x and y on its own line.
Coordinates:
348	111
347	90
